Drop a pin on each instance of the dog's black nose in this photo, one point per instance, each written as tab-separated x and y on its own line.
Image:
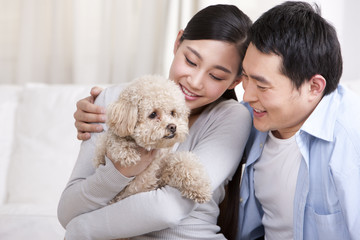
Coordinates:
171	127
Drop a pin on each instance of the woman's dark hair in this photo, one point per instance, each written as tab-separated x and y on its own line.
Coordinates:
220	22
225	23
307	43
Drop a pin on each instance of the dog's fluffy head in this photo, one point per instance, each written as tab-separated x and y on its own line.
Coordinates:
151	110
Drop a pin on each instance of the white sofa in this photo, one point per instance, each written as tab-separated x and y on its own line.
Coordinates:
38	150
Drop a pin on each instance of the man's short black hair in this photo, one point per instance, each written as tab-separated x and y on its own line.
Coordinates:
307	43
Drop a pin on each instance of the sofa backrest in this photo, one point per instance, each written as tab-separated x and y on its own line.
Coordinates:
39	144
9	97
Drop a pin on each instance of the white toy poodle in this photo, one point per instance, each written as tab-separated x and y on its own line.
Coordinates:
151	113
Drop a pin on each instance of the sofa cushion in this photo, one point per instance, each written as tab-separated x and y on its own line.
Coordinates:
8	102
45	143
35	222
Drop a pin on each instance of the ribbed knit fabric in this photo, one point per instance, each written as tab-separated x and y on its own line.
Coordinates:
218	137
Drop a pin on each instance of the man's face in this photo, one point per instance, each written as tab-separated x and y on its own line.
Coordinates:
277	105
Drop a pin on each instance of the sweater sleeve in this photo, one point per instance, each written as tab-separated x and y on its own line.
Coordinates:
84	200
87	215
135	215
89	188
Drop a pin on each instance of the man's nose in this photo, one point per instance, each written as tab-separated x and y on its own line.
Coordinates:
250	93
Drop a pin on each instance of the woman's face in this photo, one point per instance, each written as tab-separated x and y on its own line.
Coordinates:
204	69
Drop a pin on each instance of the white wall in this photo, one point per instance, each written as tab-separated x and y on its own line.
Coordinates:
111	41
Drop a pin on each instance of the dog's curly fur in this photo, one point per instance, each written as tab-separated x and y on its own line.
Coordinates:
151	113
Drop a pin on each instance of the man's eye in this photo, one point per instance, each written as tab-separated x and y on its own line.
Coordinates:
261	88
153	115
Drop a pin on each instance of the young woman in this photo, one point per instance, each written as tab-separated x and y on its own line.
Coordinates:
207	65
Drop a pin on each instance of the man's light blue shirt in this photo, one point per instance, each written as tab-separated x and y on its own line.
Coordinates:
327	196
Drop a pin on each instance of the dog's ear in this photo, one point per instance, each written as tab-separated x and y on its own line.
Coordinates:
122	117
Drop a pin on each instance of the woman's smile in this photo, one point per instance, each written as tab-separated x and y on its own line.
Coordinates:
188	94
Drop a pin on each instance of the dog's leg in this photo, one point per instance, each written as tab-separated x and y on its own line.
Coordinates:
184	172
100	150
122	150
146	181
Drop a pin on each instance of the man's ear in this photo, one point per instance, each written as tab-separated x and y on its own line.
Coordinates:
236	82
177	41
317	85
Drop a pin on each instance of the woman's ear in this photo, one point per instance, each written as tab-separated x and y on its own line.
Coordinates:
235	82
177	41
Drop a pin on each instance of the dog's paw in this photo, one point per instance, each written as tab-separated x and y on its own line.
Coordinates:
125	157
201	194
185	172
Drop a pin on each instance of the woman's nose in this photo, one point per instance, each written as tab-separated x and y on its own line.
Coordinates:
196	81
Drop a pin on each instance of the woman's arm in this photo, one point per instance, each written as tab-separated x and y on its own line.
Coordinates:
89	191
90	188
164	208
136	215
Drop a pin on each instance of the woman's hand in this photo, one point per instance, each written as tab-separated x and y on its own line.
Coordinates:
146	158
86	113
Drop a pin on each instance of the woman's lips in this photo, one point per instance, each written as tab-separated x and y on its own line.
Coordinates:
188	95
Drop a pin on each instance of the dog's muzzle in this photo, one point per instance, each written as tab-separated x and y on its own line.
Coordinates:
172	129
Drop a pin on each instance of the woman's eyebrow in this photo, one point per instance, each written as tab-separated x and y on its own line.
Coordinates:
195	52
222	68
199	56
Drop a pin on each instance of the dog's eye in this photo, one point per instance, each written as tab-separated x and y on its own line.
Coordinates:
153	115
173	113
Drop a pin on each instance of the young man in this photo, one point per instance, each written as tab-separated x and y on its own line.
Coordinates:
302	175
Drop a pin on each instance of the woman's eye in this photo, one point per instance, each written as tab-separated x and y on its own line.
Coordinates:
153	115
190	62
216	78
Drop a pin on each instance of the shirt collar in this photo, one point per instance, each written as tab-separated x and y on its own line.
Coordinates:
322	120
